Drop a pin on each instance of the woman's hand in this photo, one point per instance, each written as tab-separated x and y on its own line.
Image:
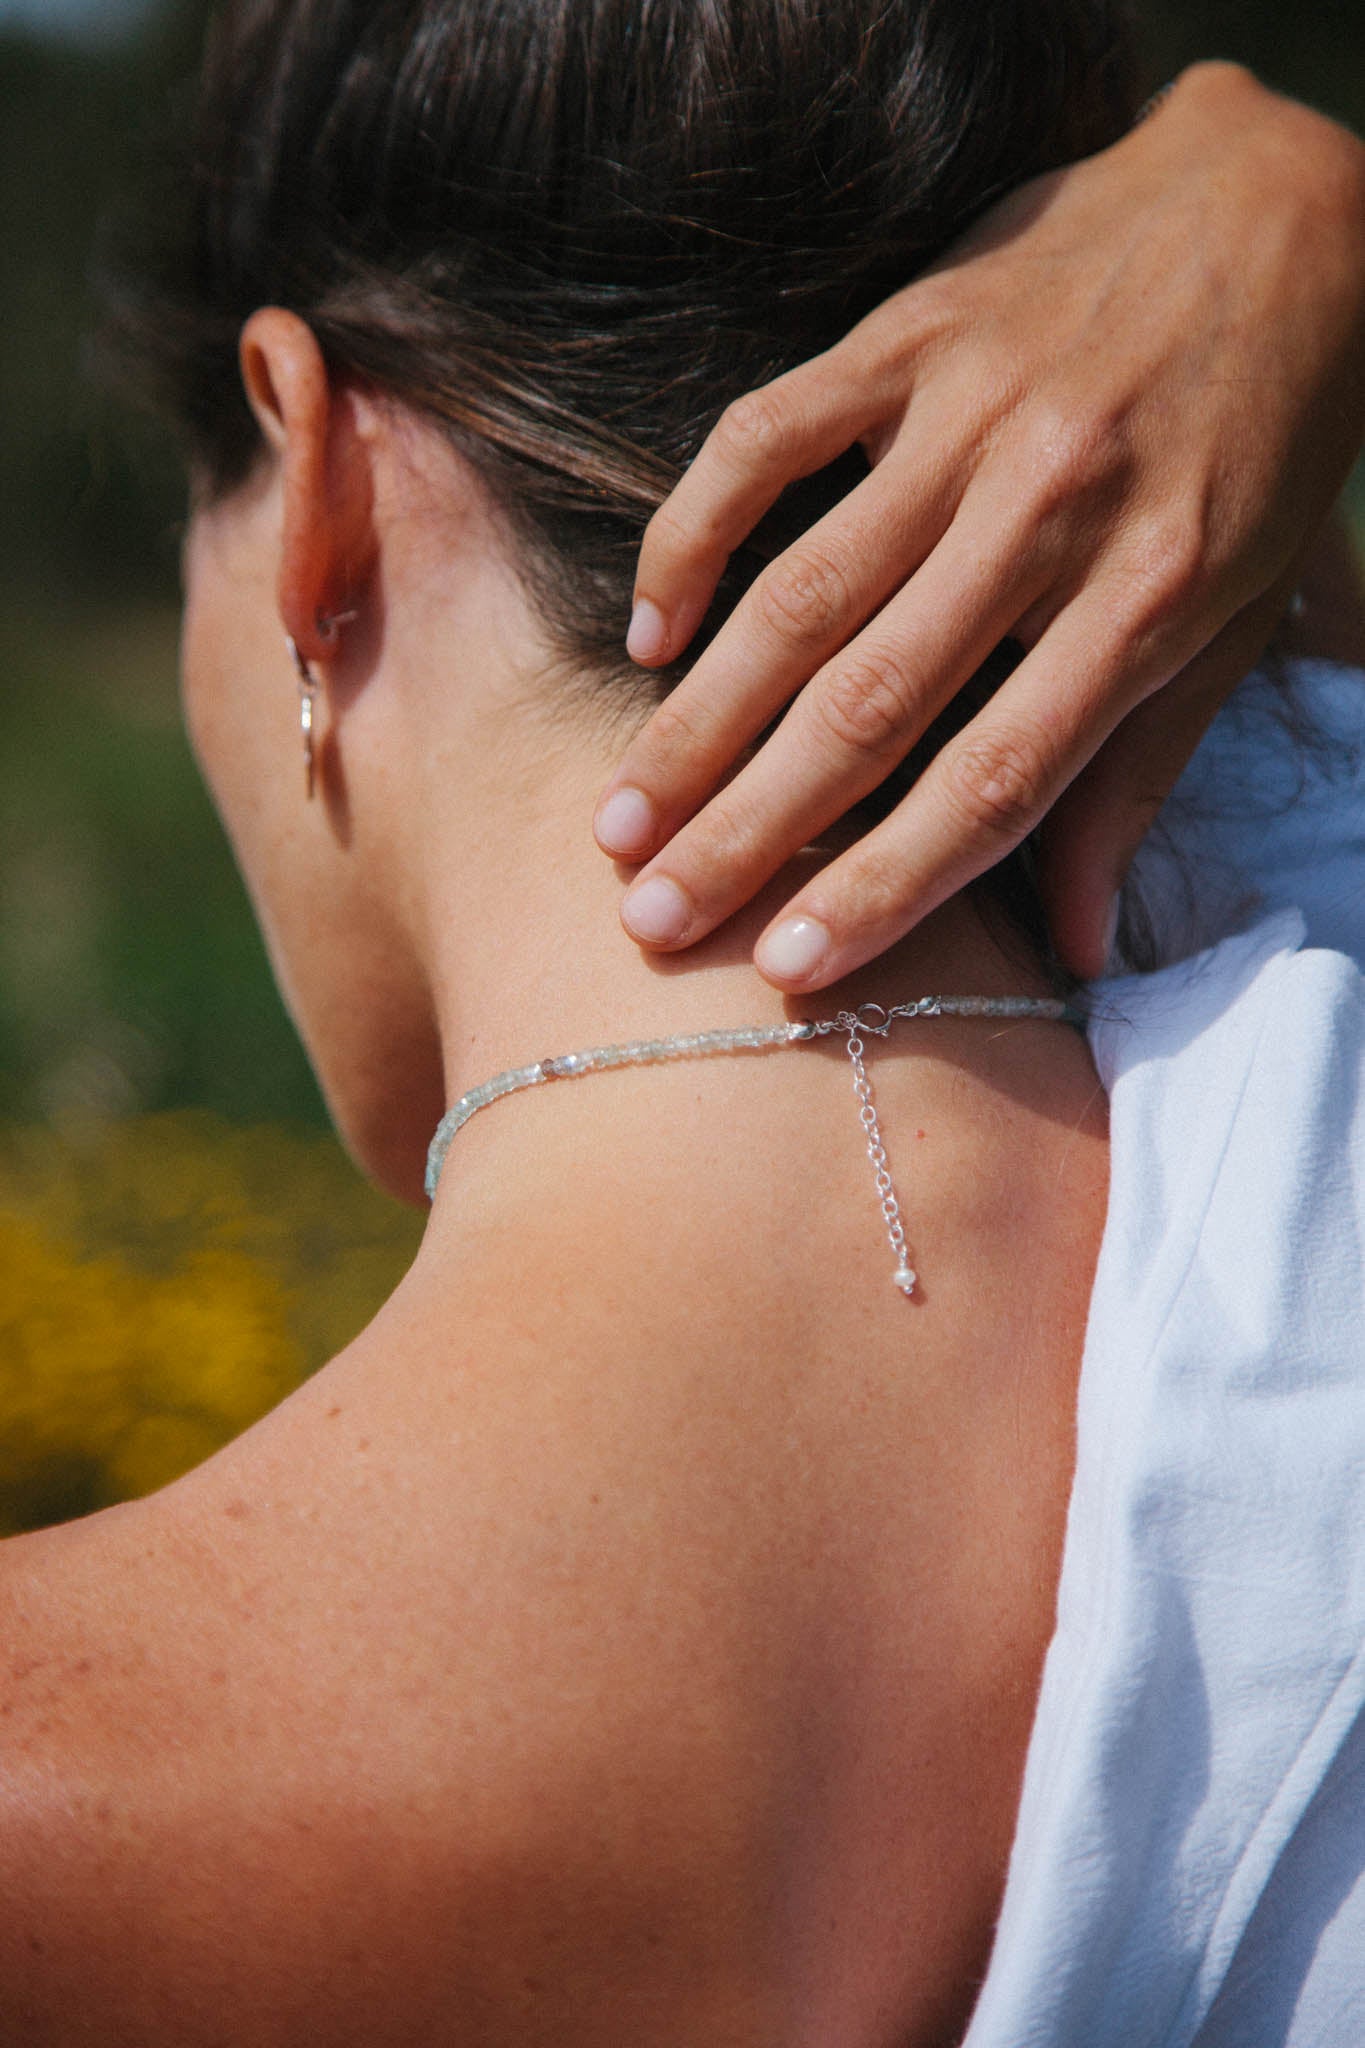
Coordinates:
1108	424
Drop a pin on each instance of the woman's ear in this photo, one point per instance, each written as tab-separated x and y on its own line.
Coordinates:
327	543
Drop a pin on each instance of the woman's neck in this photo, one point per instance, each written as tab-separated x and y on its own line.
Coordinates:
529	957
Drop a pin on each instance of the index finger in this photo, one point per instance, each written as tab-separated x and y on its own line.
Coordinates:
762	442
978	798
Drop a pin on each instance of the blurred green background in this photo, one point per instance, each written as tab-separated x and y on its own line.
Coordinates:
181	1240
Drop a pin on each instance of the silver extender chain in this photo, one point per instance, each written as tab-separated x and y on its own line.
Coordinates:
904	1275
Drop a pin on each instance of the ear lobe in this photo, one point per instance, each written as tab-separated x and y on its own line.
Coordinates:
327	541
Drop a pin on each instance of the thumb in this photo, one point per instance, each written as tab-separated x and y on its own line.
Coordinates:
1090	837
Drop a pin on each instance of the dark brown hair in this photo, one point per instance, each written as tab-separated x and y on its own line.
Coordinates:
570	231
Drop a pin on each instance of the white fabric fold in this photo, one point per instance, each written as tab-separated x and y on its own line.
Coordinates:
1189	1860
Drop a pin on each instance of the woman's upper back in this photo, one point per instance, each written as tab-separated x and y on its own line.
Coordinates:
635	1635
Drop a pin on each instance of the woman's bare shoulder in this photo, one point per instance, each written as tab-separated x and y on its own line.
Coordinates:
421	1702
375	1763
621	1604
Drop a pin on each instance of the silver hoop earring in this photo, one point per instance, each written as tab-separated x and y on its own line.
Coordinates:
331	623
308	685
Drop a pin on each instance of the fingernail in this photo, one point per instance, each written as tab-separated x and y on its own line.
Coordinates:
793	950
625	821
656	911
647	639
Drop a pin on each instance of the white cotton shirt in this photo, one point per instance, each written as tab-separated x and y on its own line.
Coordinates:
1189	1859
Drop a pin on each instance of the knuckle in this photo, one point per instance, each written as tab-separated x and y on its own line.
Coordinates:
996	785
928	311
1071	455
873	889
804	596
1000	387
869	705
677	733
1168	570
752	430
724	843
668	534
885	348
1175	553
925	318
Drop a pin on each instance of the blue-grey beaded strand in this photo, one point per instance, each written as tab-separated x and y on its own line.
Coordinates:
869	1020
567	1066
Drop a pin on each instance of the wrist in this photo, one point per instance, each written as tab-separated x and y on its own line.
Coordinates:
1295	170
1323	158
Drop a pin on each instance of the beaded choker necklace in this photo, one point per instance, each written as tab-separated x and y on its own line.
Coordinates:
869	1021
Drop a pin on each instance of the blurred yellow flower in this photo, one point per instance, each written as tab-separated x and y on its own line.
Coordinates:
163	1283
